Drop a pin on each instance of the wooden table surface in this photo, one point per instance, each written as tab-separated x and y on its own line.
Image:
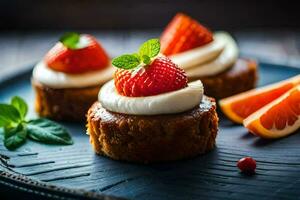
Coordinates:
19	50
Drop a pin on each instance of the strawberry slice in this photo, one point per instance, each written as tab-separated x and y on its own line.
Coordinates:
76	54
161	76
183	33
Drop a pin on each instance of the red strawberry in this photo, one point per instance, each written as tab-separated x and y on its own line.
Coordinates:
183	33
73	61
161	76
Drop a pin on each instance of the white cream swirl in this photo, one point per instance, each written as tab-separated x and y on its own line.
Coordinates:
209	59
167	103
43	74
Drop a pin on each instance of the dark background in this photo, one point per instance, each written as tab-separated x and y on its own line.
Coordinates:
145	14
268	31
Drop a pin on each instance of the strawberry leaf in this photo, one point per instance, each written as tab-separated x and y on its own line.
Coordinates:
70	40
150	48
126	61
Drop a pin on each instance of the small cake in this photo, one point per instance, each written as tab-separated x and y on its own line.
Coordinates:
149	113
67	80
211	58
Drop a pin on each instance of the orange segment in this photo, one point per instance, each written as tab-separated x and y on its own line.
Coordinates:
240	106
277	119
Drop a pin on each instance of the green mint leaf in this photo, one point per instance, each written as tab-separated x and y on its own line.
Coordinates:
146	59
150	48
20	105
70	40
137	56
126	61
14	137
8	114
47	131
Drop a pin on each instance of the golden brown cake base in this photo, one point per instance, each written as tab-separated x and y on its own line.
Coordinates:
155	138
69	104
241	77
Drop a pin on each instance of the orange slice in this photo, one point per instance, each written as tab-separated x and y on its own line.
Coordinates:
277	119
240	106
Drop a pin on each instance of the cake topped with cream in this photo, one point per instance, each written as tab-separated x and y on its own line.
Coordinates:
196	49
75	61
149	83
149	112
67	80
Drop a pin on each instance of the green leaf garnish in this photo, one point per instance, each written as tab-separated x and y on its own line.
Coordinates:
3	121
20	105
8	115
46	131
147	50
16	129
70	40
150	48
137	56
146	59
15	137
126	61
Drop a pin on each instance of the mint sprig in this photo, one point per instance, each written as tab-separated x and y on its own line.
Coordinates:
150	48
147	51
126	61
16	129
70	40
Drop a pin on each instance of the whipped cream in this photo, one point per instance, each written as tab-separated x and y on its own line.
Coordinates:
45	75
167	103
209	59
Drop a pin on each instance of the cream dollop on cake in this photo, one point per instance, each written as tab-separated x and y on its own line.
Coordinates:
210	59
167	103
55	79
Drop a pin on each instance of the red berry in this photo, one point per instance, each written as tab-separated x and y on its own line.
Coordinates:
91	57
247	165
183	33
161	76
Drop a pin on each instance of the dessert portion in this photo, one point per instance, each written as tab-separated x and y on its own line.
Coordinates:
69	77
272	111
210	57
149	113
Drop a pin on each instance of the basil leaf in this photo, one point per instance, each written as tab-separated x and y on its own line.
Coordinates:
70	40
14	137
47	131
126	61
20	105
150	48
3	121
8	115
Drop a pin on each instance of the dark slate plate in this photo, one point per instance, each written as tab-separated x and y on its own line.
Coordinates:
212	176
